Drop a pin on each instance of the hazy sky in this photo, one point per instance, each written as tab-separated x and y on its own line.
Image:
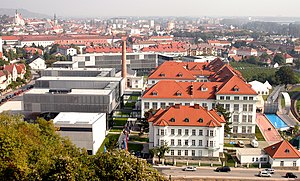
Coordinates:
80	8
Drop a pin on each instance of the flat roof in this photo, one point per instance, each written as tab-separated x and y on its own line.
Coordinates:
64	62
73	91
79	69
250	151
112	79
77	118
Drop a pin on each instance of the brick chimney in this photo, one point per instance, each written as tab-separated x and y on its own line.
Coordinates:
177	106
124	68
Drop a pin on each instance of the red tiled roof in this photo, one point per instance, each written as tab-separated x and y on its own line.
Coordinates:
237	86
179	115
21	68
286	56
9	67
32	50
282	149
168	89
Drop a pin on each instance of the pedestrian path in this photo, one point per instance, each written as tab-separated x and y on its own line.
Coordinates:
267	129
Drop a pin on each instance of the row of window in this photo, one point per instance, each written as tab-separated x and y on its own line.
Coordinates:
236	107
163	132
262	159
164	105
188	153
245	129
236	98
245	118
187	143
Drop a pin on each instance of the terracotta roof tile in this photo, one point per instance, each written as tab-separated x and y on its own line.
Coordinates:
179	115
282	149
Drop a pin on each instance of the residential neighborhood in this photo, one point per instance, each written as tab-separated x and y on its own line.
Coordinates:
169	94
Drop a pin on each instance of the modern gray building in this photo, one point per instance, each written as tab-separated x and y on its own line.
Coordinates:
141	62
80	72
74	94
72	100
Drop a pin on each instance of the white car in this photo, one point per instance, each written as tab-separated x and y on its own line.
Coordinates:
264	174
270	170
189	168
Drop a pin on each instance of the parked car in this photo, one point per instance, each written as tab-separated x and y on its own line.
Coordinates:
241	144
264	173
189	168
270	170
223	169
254	143
290	175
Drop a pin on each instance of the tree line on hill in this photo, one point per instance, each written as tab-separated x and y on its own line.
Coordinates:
37	152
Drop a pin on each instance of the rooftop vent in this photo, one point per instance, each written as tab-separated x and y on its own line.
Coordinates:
172	120
60	91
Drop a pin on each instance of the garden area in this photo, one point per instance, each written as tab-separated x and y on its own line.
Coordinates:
258	134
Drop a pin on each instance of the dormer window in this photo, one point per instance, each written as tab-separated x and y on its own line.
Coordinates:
178	93
162	75
287	150
200	120
179	74
172	120
186	120
236	88
204	88
154	93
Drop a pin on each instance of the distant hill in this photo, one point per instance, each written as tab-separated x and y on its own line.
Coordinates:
25	13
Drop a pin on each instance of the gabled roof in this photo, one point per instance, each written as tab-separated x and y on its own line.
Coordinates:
9	67
235	82
28	61
167	89
282	149
179	115
21	68
171	70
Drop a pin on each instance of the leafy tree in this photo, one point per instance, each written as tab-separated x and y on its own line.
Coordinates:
286	75
297	63
121	165
36	152
220	109
278	59
160	151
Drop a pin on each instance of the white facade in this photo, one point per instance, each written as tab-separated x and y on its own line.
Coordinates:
43	43
38	64
284	162
260	88
135	82
251	156
85	130
243	112
242	107
67	51
199	141
1	44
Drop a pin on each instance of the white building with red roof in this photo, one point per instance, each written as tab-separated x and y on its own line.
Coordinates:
11	69
206	84
283	154
189	131
245	51
21	70
288	58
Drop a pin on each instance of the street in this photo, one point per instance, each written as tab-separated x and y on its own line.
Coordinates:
236	173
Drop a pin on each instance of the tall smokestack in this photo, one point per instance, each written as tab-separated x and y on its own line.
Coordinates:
124	68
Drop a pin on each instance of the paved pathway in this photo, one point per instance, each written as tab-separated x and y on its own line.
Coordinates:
264	125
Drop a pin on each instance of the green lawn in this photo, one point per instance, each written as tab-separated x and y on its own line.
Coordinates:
138	138
229	145
106	140
135	147
258	134
120	121
116	130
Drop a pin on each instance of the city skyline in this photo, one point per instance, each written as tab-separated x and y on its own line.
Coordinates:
93	8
